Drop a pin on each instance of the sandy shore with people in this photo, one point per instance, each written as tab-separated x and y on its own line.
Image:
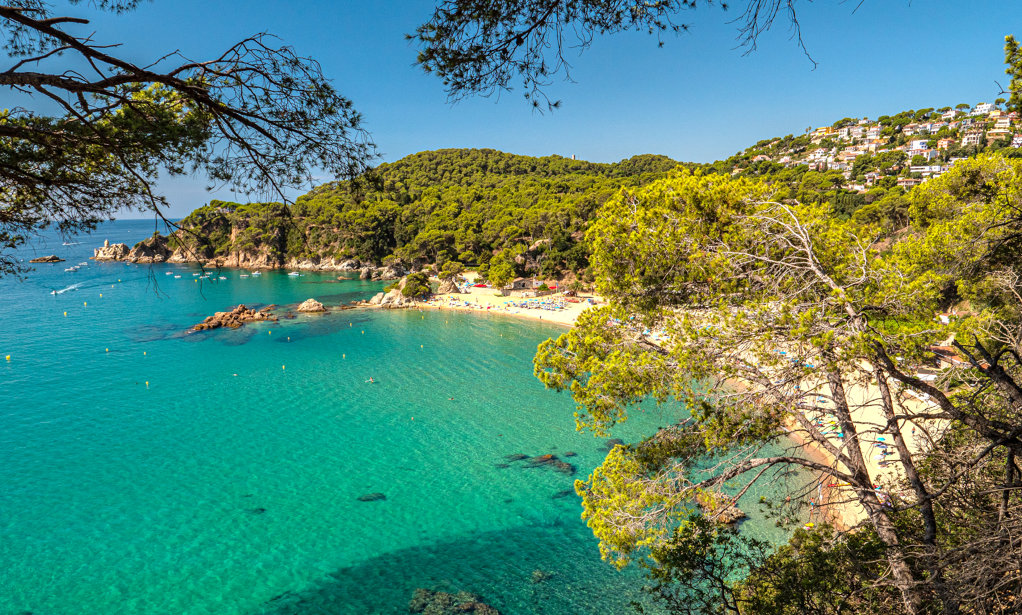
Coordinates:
554	308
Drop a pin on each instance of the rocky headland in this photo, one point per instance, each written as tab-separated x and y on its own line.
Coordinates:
167	249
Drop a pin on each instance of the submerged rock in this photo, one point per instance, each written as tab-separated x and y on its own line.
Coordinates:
552	461
442	603
255	511
53	258
372	497
516	457
570	453
502	466
562	494
611	443
719	507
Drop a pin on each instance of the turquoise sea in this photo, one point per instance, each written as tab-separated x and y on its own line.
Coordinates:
144	470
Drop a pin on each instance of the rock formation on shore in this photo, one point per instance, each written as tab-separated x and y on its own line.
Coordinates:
110	252
235	318
310	305
448	287
394	297
53	258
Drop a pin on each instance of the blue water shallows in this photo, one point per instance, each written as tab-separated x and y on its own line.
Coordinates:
146	470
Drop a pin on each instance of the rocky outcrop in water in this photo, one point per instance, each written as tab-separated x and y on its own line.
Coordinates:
152	250
111	252
442	603
372	497
310	305
53	258
235	318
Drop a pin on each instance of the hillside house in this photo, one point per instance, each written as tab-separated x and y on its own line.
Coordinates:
982	108
916	144
927	170
950	114
874	132
945	143
1002	122
1016	141
523	287
972	138
997	133
908	182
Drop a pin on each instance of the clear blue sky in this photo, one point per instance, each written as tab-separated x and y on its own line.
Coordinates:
696	99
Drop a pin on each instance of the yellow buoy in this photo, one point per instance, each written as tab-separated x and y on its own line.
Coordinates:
108	350
100	295
281	367
118	279
269	333
289	338
349	324
8	357
344	356
420	345
143	353
147	384
85	303
363	331
65	314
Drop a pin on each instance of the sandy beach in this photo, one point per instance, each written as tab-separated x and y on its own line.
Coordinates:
559	310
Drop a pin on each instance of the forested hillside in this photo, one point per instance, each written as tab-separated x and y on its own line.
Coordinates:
436	206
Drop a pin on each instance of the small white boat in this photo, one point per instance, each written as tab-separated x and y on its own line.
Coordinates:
195	275
244	275
223	277
294	274
177	277
169	273
257	273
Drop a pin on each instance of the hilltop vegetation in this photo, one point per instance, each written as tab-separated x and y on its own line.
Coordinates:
434	207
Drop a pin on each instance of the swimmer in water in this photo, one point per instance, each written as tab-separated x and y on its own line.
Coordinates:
371	380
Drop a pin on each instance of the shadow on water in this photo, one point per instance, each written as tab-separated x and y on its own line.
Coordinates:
531	570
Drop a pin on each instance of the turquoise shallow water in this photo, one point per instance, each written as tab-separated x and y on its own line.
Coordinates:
229	483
